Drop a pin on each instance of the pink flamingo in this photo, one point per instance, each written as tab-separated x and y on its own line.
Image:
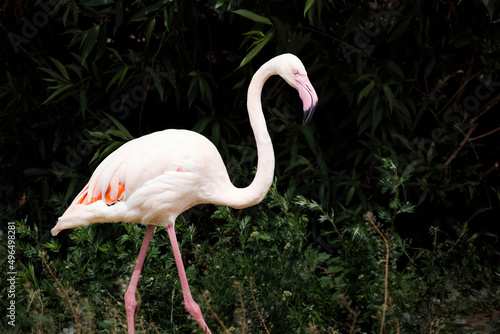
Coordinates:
152	179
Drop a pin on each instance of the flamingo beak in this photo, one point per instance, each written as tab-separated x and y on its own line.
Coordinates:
307	95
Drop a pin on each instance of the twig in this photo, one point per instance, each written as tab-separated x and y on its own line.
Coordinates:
70	304
213	313
473	125
431	94
454	100
369	216
485	134
353	313
240	295
462	143
256	308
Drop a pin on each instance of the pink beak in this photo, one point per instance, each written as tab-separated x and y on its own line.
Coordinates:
307	95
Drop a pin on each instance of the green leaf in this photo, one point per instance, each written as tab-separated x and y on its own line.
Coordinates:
53	74
349	196
398	29
395	68
259	33
308	5
365	91
252	16
118	17
149	30
309	136
118	77
58	91
95	3
377	118
256	49
389	95
35	171
89	41
71	189
73	10
158	86
142	14
264	236
120	127
115	52
490	6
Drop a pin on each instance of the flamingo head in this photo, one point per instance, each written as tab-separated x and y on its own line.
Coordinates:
291	69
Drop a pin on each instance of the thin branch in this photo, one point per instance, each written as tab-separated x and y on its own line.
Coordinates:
468	77
369	216
473	126
353	313
256	307
213	312
431	94
65	292
485	134
240	295
462	143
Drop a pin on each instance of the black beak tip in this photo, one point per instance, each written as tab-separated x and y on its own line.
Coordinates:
308	114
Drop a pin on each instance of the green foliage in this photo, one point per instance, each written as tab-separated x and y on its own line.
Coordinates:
257	271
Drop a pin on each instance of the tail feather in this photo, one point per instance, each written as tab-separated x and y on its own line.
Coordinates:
97	212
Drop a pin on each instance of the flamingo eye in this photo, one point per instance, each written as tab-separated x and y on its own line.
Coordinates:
295	71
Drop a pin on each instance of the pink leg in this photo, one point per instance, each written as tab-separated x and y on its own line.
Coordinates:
130	302
190	304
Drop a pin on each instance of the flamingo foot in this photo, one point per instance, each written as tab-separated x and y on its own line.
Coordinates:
194	309
130	305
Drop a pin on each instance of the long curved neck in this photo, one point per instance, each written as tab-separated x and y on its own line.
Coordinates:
257	190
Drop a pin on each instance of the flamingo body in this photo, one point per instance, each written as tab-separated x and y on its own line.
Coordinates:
153	179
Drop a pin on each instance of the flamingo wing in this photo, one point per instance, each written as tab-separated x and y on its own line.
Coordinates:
127	169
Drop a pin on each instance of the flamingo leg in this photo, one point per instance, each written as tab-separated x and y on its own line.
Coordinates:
189	303
130	302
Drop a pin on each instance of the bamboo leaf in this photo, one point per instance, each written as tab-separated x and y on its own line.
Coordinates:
252	16
149	30
256	49
365	91
95	3
490	6
118	17
89	41
389	95
308	5
118	77
395	68
377	118
71	189
309	136
349	196
57	92
142	14
53	74
120	126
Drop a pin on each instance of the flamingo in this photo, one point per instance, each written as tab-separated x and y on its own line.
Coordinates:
152	179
